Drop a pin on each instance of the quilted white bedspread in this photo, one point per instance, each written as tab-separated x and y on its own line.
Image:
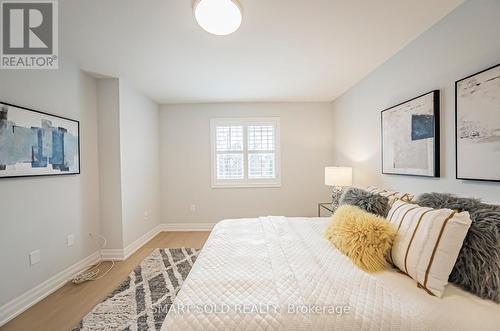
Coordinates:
277	273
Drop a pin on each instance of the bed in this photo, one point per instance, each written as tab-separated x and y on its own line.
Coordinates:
278	273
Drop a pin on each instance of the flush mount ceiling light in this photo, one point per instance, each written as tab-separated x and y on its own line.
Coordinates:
219	17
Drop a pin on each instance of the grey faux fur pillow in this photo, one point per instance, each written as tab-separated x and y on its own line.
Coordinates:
372	203
477	269
444	200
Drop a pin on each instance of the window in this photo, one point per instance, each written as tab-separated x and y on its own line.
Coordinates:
245	152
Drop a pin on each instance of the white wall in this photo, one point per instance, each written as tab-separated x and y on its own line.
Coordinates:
110	186
306	148
129	162
119	173
39	213
462	43
140	163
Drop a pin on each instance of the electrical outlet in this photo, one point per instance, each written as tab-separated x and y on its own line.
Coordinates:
35	257
146	216
71	240
192	208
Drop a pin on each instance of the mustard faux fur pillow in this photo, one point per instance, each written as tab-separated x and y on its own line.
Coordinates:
365	238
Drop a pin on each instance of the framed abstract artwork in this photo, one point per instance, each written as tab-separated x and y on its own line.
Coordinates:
477	126
33	143
410	137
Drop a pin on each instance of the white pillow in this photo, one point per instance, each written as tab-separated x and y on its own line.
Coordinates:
392	195
427	243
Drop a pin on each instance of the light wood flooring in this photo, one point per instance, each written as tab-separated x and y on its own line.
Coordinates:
63	309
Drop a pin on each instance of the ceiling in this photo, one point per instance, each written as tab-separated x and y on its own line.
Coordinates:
285	50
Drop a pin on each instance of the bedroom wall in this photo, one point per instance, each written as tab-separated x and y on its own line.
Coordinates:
39	213
110	186
462	43
140	163
306	147
128	162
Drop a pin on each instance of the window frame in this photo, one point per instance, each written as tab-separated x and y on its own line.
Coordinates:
245	181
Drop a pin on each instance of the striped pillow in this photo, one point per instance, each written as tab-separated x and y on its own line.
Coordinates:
392	195
427	243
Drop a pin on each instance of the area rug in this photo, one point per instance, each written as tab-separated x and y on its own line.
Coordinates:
141	302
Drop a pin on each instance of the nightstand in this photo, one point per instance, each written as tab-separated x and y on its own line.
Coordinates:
325	205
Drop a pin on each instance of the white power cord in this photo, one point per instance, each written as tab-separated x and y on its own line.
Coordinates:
92	273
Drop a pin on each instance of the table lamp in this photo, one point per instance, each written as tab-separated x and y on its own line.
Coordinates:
338	178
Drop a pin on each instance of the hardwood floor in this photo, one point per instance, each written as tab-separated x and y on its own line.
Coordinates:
63	309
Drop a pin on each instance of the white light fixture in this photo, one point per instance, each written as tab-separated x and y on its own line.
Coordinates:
338	177
219	17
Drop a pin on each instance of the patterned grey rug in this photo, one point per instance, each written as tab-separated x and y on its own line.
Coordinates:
141	302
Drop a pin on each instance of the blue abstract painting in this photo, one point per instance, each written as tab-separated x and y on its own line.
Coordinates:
33	143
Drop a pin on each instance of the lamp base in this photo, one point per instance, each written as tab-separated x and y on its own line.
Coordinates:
336	194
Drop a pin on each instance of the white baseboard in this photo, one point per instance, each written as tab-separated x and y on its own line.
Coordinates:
112	254
187	226
118	254
18	305
133	247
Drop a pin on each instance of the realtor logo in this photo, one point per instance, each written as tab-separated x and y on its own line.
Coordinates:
29	35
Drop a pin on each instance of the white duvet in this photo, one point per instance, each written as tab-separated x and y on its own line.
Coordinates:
277	273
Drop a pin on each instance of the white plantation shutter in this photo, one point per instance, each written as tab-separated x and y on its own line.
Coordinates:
261	165
229	138
245	152
229	148
260	140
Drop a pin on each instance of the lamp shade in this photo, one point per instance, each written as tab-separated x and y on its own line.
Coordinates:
338	176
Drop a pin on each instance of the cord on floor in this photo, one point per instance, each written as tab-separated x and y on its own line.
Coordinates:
92	273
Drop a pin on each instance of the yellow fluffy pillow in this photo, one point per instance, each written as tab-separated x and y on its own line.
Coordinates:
365	238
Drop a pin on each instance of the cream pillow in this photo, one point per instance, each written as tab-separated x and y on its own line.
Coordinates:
427	243
392	195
